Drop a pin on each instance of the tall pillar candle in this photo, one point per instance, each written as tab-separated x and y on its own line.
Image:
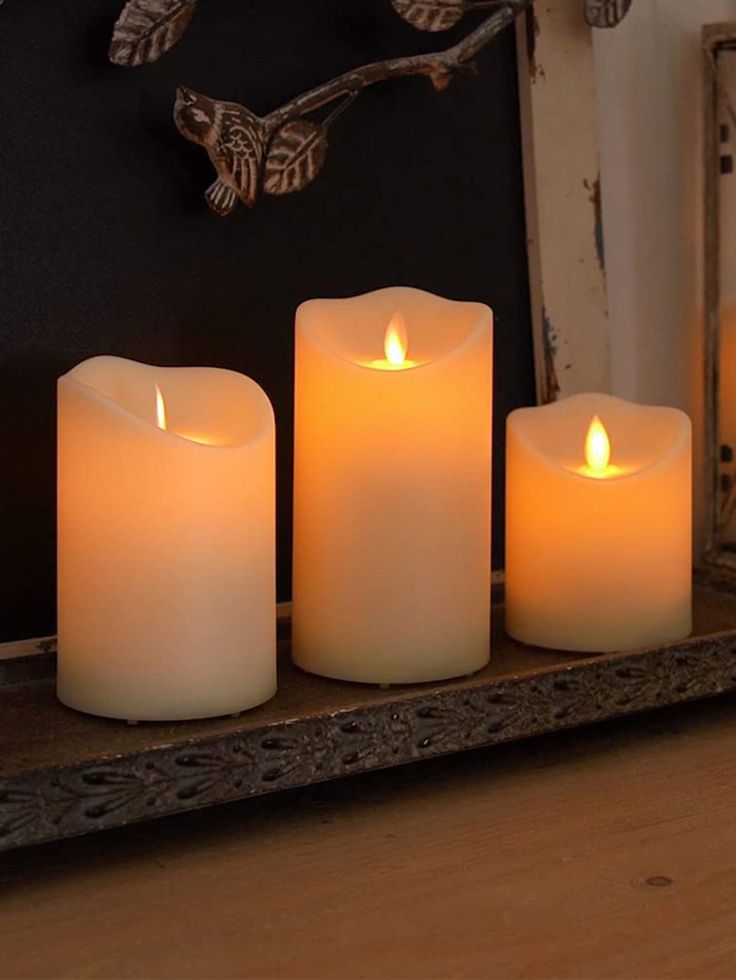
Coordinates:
598	524
392	508
165	541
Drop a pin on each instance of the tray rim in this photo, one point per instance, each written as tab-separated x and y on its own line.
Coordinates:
398	726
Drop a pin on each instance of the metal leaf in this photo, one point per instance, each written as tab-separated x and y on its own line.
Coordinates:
295	157
146	29
606	13
430	15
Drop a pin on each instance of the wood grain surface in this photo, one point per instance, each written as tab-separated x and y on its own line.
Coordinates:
609	852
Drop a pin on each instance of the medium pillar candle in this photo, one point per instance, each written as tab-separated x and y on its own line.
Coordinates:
598	524
165	541
392	509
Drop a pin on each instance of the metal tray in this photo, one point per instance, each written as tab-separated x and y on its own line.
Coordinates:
63	773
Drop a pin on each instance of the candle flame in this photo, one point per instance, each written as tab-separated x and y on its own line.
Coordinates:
395	341
597	446
160	409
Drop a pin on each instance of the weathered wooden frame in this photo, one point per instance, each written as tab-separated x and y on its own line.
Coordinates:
715	37
563	200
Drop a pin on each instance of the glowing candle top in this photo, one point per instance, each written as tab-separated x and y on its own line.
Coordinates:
600	437
395	347
212	407
398	330
598	464
160	410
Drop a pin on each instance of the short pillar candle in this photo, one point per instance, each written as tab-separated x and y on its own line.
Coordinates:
598	524
392	509
165	541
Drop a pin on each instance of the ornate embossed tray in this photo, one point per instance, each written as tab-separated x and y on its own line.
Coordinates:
64	773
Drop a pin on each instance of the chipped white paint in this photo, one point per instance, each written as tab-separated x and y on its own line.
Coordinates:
560	141
649	75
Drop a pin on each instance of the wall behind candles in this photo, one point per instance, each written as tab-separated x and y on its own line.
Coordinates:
107	246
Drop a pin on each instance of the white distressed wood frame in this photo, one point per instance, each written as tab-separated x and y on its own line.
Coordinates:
559	121
714	37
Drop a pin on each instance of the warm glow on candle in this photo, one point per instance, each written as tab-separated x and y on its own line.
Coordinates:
160	409
395	342
597	447
395	347
162	423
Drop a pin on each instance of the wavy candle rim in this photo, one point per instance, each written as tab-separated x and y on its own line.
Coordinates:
168	433
409	368
260	404
624	469
399	296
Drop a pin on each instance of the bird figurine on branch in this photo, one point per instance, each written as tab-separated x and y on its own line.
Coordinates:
284	151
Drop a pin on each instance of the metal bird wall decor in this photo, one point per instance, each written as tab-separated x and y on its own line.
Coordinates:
275	154
284	151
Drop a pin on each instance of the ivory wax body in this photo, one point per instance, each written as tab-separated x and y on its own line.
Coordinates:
598	560
165	541
392	509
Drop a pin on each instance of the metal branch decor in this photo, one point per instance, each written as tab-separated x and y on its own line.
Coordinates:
284	151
